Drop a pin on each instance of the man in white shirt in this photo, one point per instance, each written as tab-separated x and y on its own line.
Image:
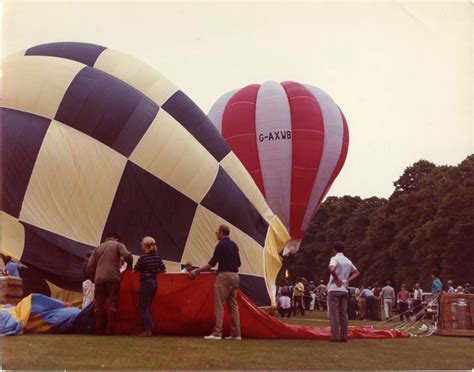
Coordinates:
284	305
342	272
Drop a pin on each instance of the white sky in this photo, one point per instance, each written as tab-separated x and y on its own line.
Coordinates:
400	71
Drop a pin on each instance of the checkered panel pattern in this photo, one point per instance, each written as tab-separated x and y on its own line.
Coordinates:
72	185
112	159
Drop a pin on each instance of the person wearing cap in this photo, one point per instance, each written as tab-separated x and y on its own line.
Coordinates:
148	265
226	256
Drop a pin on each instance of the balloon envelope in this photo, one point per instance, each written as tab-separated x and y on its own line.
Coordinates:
95	141
293	140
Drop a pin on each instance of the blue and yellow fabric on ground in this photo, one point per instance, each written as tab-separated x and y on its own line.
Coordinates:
37	314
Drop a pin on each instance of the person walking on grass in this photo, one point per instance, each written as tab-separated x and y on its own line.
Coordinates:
226	287
148	265
342	272
104	267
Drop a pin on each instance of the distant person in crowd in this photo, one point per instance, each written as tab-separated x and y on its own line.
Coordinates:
87	285
187	268
468	289
437	285
352	306
388	299
361	301
417	300
378	300
370	303
321	295
403	298
307	294
104	267
284	304
298	294
342	272
226	255
148	265
459	289
13	268
451	289
312	296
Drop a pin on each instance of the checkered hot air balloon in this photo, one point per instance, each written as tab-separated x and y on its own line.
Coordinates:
293	140
94	140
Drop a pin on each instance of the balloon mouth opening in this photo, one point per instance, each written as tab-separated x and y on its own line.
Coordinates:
292	247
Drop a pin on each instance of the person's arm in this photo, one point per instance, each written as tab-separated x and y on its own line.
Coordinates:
139	265
92	265
354	274
126	255
332	271
161	266
199	270
213	262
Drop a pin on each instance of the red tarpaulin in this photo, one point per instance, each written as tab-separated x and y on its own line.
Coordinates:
186	307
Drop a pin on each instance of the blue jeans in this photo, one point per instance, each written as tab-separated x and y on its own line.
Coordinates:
148	289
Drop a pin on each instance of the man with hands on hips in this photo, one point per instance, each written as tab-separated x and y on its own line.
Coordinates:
342	272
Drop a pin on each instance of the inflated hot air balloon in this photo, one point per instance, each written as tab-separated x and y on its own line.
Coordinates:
293	140
93	141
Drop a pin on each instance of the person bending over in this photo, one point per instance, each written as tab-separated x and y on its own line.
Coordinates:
104	267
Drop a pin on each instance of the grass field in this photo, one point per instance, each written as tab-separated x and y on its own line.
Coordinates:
92	352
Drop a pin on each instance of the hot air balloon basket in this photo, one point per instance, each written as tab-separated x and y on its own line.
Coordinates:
11	290
456	315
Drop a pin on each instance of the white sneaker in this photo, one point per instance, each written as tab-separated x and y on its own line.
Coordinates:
212	337
238	338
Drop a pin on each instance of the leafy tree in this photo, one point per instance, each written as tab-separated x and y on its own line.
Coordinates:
426	224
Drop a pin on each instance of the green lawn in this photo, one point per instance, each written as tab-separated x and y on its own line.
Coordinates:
90	352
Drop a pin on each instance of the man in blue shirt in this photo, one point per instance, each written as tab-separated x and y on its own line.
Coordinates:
437	286
12	267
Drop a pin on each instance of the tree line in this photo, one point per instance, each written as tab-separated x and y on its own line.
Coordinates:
426	224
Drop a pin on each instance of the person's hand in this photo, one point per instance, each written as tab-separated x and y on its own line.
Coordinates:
192	274
338	282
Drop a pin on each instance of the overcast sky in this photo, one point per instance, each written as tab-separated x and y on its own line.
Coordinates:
400	71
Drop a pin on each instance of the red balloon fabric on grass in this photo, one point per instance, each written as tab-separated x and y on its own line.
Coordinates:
186	307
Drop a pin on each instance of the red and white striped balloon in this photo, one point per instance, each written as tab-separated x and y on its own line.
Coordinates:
293	140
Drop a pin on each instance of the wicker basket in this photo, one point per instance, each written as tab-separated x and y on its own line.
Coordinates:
11	290
456	315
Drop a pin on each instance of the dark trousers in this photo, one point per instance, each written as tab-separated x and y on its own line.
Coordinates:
371	302
102	292
337	303
148	289
298	304
284	312
403	308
